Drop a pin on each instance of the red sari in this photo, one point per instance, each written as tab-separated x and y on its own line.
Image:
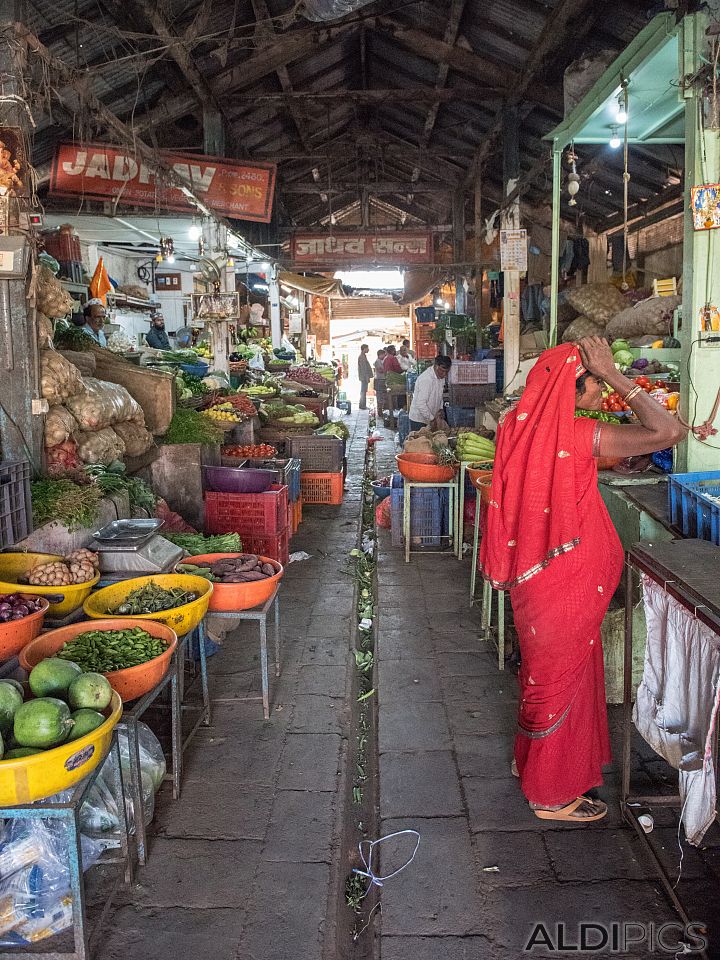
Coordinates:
550	542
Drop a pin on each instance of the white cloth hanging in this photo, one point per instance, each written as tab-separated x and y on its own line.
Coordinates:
677	702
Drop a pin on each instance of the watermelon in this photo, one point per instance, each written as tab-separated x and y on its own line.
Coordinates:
90	690
45	722
85	721
18	752
52	677
10	701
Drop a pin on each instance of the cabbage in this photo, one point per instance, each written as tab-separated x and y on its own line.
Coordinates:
619	345
624	358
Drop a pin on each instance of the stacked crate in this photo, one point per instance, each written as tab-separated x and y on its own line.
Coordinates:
321	476
470	382
261	520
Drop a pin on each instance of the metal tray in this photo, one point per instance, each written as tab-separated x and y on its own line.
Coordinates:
128	530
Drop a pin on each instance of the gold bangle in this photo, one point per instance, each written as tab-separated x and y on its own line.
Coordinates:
632	393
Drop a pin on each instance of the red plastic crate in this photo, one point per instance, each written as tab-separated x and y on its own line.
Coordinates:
322	487
277	547
249	514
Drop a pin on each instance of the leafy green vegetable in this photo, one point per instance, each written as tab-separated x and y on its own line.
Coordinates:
69	337
141	495
189	426
196	544
74	505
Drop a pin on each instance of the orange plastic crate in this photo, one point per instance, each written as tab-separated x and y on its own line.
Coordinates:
297	510
322	487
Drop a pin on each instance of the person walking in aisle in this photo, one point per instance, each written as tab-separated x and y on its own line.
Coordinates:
365	372
379	384
427	401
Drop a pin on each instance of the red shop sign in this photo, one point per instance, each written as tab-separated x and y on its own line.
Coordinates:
392	249
244	191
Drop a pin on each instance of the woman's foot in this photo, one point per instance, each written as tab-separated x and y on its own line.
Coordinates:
513	768
580	810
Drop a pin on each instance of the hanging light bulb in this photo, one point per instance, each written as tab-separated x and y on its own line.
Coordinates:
615	140
194	231
621	115
573	185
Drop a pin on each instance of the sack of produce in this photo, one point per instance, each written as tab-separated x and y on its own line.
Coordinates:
118	342
597	301
653	317
84	361
418	444
100	446
50	296
44	330
59	379
136	438
60	425
583	327
101	404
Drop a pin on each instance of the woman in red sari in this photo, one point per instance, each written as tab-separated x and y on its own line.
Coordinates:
550	542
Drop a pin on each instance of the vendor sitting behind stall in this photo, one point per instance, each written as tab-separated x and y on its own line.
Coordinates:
427	401
94	314
156	336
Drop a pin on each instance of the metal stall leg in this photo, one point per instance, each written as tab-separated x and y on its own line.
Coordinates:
264	667
135	791
204	673
77	884
476	545
176	719
627	687
277	634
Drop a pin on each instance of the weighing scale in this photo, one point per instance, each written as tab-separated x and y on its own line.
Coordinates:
131	548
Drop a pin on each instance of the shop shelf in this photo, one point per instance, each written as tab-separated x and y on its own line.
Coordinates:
15	506
249	514
428	509
694	504
322	487
472	371
318	454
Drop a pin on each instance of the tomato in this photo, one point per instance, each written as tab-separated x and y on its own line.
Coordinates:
605	405
642	381
615	407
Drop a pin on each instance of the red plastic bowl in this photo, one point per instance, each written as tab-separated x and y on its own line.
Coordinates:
425	472
16	634
227	597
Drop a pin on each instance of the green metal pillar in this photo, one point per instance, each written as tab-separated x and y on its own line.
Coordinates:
555	269
700	360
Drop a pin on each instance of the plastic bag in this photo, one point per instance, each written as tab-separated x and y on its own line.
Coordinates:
100	446
382	514
59	379
60	425
35	900
101	404
62	458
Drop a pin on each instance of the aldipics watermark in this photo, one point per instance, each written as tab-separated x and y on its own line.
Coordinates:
673	939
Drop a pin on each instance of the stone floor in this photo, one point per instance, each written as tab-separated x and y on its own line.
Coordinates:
487	870
243	864
246	865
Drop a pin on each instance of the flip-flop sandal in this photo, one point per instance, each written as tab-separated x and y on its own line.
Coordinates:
565	814
513	768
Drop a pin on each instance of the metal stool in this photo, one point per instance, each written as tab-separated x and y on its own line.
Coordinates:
260	614
451	535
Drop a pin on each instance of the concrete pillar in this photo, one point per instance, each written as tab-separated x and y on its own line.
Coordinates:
511	221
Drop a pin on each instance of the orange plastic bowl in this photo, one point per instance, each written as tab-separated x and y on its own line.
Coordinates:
16	634
131	683
424	472
429	458
480	471
227	597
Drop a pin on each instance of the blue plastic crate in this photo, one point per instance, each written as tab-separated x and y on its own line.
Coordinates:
428	515
403	423
692	505
294	479
459	416
411	380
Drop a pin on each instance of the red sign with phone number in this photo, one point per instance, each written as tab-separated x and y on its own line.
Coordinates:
243	191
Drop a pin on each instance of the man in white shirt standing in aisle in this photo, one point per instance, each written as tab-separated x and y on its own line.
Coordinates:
406	358
427	401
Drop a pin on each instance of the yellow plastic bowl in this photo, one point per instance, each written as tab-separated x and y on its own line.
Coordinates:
182	619
16	565
42	775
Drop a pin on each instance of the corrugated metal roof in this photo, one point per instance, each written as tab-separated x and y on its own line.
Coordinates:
131	70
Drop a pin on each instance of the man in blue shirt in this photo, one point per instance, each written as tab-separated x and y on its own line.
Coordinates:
94	313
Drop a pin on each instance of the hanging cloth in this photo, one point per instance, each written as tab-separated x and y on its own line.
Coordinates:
677	703
598	271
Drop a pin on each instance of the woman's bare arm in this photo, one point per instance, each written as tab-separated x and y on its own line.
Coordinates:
657	429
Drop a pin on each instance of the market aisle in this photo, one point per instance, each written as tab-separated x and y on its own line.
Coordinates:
486	870
242	865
